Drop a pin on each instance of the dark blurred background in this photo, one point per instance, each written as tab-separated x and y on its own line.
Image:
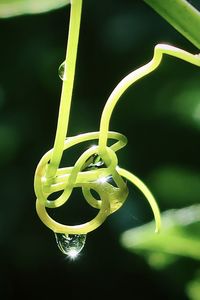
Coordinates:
160	115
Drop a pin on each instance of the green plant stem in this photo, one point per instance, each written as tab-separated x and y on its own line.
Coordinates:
67	87
181	15
127	81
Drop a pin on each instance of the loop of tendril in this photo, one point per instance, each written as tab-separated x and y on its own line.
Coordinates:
86	175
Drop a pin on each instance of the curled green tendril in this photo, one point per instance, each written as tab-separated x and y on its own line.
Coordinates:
97	164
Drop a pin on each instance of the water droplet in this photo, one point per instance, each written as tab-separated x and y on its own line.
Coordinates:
70	244
93	162
62	72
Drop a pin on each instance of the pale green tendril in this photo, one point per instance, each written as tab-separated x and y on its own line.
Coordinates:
97	164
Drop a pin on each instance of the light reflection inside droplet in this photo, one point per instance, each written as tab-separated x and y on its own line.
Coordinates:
73	253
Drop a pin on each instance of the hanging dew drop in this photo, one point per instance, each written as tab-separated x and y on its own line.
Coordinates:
62	71
70	244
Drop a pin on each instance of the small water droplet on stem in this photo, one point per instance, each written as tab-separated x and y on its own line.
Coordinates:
62	71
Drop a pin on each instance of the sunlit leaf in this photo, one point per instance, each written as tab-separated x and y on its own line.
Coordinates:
179	236
10	8
193	288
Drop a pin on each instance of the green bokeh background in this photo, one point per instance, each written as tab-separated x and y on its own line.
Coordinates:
160	115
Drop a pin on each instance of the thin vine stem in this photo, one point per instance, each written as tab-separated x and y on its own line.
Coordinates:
184	17
124	84
67	87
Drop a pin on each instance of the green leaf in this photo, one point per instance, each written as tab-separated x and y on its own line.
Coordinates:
193	288
179	236
11	8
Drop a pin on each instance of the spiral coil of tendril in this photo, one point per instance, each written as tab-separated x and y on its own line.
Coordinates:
87	175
